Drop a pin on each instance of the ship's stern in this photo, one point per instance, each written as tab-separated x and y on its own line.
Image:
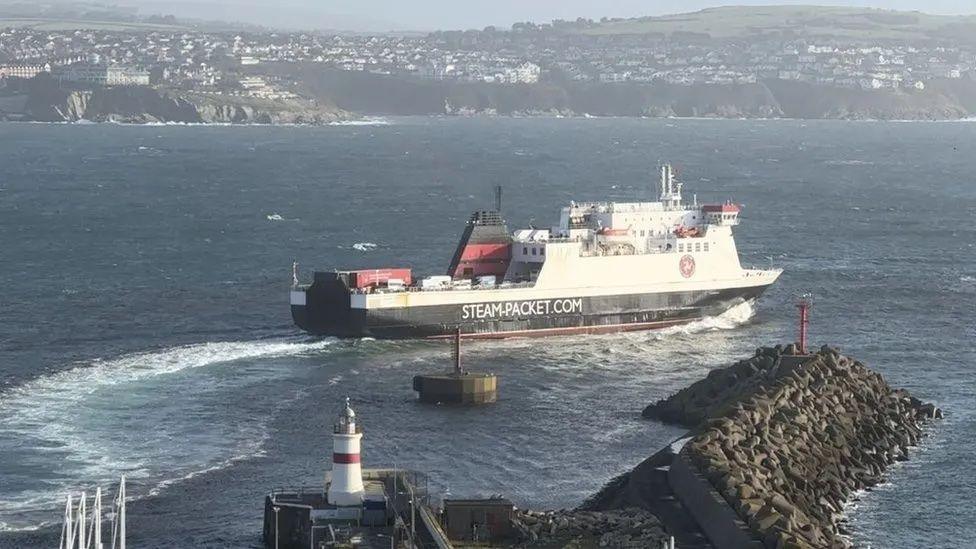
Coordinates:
323	307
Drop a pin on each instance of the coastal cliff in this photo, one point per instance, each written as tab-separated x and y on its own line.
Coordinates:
782	442
48	102
384	94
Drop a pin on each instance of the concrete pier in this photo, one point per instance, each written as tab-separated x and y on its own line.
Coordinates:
395	513
466	388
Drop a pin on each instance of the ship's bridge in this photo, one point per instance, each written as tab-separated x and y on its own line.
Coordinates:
656	219
721	214
638	219
599	229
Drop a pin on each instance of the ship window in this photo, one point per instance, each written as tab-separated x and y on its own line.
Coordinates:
642	233
681	248
706	246
525	250
697	246
533	251
542	251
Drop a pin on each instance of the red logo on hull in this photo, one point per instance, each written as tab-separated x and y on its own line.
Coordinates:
687	266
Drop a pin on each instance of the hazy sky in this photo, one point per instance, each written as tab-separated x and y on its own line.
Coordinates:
375	15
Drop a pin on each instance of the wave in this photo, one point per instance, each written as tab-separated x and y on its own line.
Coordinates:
146	414
365	121
70	385
252	450
364	246
849	163
733	318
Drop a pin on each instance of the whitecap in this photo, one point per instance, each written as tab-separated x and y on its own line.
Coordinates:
274	217
364	246
849	163
364	121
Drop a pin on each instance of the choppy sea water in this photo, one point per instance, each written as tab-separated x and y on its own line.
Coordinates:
144	326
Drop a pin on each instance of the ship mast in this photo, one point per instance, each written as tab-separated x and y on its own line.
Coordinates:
670	189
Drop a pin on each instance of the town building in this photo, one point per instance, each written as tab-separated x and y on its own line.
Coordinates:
23	71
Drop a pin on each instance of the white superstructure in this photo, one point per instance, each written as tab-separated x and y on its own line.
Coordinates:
607	248
605	266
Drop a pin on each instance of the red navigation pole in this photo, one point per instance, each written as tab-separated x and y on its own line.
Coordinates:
804	305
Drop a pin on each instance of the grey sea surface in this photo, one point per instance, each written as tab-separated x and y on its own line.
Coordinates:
144	324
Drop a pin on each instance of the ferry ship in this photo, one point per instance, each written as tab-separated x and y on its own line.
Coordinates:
605	267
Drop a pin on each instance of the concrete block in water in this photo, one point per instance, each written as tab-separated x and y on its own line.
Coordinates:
464	388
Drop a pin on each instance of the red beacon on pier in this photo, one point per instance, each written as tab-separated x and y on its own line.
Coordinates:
804	304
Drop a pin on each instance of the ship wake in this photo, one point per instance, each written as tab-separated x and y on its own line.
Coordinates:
157	416
736	316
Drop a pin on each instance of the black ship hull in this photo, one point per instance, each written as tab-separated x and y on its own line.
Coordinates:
327	312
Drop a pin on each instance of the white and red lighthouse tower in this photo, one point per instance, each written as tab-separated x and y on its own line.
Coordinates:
346	488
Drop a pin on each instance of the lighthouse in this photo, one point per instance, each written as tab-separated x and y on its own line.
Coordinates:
346	488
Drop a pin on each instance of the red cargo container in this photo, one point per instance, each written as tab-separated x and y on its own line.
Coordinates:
377	277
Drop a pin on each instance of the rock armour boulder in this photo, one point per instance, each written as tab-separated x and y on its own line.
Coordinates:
622	528
786	441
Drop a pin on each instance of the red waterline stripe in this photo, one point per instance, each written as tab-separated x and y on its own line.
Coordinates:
345	458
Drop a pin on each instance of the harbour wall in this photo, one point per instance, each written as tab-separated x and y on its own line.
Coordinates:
717	520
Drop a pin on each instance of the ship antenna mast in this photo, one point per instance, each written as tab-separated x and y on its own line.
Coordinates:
498	198
664	181
670	189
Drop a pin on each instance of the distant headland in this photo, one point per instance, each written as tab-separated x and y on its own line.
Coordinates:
804	62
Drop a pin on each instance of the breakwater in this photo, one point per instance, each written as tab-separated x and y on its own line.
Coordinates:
778	443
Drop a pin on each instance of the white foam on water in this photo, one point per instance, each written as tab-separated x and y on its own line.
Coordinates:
364	246
88	424
733	318
4	527
849	163
365	121
252	449
71	385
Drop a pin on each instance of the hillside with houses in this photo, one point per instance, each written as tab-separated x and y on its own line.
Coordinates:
816	62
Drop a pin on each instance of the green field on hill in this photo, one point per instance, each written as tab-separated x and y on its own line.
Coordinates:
807	21
54	24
